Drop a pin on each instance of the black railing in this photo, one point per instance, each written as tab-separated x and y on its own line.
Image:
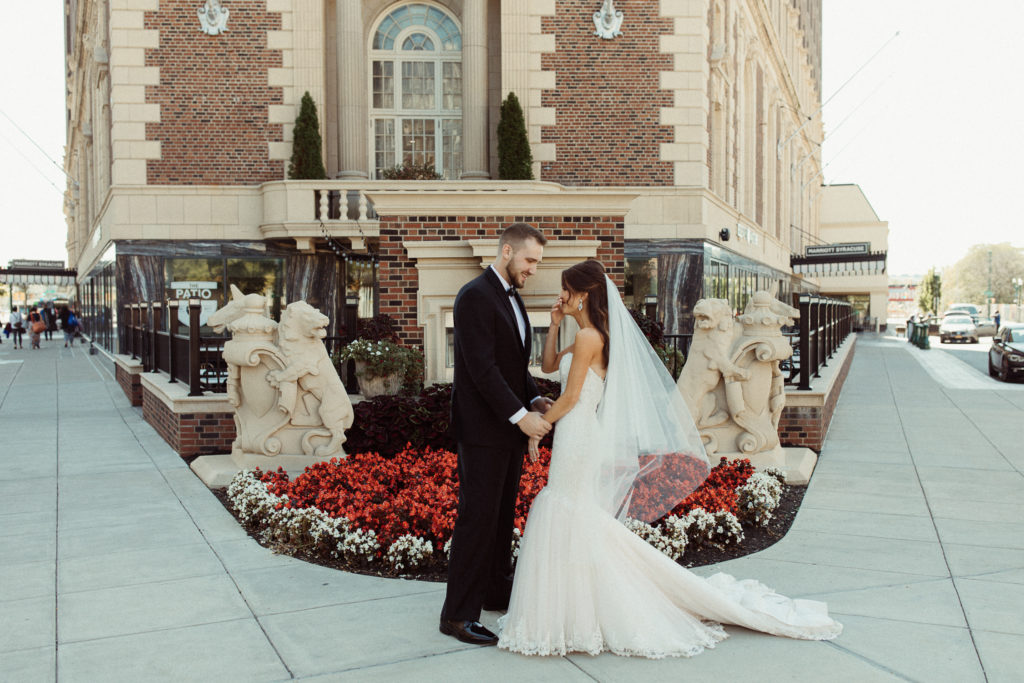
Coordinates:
678	346
823	326
193	358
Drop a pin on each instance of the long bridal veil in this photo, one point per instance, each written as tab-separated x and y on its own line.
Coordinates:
652	456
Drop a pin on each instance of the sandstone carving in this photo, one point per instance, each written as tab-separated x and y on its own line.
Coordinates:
213	18
731	380
291	408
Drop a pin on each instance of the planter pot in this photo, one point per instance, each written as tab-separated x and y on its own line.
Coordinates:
376	386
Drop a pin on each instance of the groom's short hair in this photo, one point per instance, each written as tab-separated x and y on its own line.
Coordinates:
517	233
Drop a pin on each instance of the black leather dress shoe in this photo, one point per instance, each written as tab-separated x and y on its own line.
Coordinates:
472	632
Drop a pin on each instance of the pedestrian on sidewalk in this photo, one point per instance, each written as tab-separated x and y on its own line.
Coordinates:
36	327
69	324
50	318
17	327
996	318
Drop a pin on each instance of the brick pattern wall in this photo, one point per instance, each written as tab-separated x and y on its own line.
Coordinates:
607	99
130	383
399	279
189	433
214	96
807	426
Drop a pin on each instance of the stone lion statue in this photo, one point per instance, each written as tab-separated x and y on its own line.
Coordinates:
307	365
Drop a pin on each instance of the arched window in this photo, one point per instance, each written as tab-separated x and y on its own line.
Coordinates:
416	85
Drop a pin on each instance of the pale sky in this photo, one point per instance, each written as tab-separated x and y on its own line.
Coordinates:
933	134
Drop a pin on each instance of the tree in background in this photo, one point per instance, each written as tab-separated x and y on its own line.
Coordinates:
307	157
928	292
515	162
967	280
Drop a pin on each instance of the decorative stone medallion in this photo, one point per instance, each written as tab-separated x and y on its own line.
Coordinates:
213	18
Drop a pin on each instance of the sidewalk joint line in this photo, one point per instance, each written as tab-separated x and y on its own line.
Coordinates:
927	502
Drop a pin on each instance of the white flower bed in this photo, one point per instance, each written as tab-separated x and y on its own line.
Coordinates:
313	530
758	498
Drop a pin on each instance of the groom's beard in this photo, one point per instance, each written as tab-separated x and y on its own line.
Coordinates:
512	277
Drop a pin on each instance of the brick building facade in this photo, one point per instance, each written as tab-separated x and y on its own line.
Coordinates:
679	152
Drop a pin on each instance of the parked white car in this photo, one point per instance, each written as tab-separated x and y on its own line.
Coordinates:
986	327
958	328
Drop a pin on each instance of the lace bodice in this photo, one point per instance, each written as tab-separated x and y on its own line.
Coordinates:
593	385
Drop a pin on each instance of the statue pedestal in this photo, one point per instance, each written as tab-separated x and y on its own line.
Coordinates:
217	471
797	463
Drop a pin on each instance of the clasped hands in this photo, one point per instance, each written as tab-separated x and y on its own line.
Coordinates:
535	426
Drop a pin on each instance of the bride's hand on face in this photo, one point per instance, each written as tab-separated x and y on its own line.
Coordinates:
556	311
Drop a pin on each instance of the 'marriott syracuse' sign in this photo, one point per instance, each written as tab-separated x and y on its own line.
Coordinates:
844	249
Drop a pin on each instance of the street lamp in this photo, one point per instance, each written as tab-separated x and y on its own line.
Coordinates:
1018	285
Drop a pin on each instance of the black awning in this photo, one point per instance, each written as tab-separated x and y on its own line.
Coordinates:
59	277
871	263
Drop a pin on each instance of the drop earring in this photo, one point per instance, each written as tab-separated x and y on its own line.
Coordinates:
579	307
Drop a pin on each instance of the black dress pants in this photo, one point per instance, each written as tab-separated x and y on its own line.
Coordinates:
480	566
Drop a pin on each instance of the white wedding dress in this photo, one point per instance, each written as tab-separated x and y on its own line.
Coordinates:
585	583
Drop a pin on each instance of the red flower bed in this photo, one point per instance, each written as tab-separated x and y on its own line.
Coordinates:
416	491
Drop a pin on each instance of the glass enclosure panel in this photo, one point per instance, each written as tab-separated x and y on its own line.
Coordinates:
641	286
383	85
359	288
196	278
417	85
258	277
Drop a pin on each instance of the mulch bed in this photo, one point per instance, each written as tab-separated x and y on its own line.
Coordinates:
755	539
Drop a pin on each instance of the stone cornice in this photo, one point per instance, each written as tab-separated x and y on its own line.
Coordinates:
498	199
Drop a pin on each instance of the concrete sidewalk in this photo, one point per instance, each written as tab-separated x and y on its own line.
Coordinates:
118	564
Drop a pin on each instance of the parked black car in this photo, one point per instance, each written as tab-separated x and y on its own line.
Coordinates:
1006	357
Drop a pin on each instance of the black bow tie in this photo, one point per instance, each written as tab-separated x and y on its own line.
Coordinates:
511	291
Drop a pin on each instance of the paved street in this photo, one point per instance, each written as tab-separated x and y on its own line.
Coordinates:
118	565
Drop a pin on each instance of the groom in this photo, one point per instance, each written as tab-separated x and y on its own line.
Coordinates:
490	396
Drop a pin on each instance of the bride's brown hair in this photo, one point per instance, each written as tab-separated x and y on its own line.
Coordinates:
588	277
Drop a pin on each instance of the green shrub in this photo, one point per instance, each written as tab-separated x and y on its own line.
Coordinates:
515	161
307	161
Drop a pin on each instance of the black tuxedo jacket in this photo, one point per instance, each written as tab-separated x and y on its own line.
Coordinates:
492	379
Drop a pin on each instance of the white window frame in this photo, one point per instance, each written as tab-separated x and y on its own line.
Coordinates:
397	56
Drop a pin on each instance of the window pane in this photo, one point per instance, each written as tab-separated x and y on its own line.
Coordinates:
452	148
418	141
383	85
418	41
383	145
417	85
452	86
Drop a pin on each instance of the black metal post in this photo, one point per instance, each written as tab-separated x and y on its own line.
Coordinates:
194	386
143	328
154	316
172	323
805	342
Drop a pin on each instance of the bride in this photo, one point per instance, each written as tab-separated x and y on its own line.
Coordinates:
583	581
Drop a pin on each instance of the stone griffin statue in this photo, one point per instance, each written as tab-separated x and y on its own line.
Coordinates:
213	19
291	408
731	380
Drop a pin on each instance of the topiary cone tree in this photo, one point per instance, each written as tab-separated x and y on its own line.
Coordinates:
515	162
307	158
